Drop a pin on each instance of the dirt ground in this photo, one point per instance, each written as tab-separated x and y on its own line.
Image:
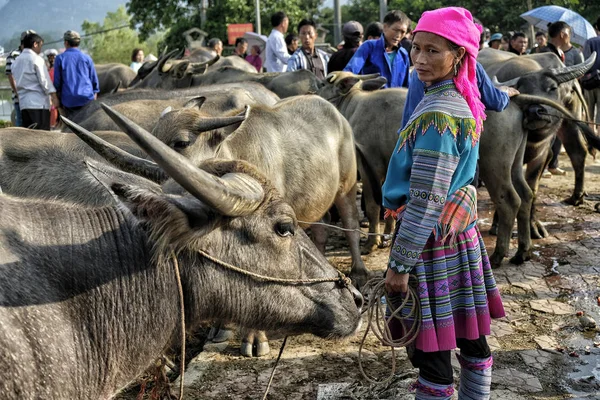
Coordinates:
540	350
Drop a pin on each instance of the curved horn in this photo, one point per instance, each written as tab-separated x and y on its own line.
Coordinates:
529	99
162	61
234	195
513	82
369	76
118	157
116	89
565	74
210	124
331	77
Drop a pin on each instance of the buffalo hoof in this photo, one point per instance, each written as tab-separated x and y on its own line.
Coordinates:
520	258
385	243
574	200
218	335
255	348
494	230
496	259
537	230
364	223
359	278
369	247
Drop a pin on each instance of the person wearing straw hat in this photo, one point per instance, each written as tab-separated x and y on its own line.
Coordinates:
428	189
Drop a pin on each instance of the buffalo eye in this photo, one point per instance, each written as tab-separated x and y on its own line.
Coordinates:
285	229
182	144
552	88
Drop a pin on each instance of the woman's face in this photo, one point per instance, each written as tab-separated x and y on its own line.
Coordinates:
139	57
432	57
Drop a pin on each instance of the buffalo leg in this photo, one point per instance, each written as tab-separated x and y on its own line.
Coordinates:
535	167
372	210
523	215
577	152
320	233
346	204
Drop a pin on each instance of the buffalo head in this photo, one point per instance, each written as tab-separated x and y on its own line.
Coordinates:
339	84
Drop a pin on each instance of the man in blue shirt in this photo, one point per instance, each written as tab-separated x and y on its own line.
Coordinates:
593	96
494	99
75	77
385	55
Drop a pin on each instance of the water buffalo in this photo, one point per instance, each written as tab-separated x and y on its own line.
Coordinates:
277	140
356	96
113	76
236	93
89	296
49	165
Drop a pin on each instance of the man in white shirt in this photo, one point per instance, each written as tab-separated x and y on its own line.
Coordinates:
33	84
277	55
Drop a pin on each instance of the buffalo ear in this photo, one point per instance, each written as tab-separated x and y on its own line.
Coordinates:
373	84
344	85
195	102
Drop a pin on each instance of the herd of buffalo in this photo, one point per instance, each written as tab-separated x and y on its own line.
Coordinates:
202	155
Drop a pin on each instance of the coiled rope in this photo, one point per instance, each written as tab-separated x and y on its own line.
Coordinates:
377	322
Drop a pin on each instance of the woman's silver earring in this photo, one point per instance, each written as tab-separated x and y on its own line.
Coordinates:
455	69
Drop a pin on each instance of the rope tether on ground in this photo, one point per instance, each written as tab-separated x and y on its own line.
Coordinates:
373	291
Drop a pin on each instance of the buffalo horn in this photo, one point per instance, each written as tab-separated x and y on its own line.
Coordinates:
118	157
513	82
566	74
331	77
164	59
232	195
212	123
369	76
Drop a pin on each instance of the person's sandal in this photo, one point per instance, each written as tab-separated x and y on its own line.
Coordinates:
557	171
546	174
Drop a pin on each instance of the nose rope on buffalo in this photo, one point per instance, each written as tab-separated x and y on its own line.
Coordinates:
374	291
386	236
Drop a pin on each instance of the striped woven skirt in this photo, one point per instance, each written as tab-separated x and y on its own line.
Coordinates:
457	292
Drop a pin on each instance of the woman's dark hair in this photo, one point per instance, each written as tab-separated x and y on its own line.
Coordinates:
277	18
555	28
540	33
306	22
374	29
30	39
396	16
134	54
290	38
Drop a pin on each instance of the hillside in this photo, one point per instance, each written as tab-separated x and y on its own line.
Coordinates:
50	18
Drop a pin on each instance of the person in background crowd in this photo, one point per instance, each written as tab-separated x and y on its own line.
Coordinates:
495	41
406	43
12	56
33	82
216	44
384	56
353	36
277	57
593	96
254	58
374	30
518	44
75	76
291	42
137	59
504	43
307	56
559	43
428	190
51	56
241	47
541	43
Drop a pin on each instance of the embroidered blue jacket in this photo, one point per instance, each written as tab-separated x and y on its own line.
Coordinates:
370	58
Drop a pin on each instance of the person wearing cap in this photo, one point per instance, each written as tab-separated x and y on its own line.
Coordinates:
75	76
12	56
353	36
34	86
495	41
385	55
307	56
428	189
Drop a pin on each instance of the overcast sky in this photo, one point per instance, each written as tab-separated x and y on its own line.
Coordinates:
328	3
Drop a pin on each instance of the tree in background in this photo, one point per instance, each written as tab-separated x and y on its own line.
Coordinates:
181	15
116	45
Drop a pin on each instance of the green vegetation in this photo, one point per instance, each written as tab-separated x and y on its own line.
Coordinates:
116	45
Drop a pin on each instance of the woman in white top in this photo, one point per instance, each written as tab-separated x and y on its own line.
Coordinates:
137	59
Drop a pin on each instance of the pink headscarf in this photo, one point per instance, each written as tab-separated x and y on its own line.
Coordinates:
456	24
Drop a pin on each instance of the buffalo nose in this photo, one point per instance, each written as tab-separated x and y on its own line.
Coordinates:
358	298
535	111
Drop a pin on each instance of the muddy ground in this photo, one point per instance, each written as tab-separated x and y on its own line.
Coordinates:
539	348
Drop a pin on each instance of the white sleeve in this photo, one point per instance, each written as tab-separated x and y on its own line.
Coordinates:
280	51
43	76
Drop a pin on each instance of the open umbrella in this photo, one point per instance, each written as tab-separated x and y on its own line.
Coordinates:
581	29
259	40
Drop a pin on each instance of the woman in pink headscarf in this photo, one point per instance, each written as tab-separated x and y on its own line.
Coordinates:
429	190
